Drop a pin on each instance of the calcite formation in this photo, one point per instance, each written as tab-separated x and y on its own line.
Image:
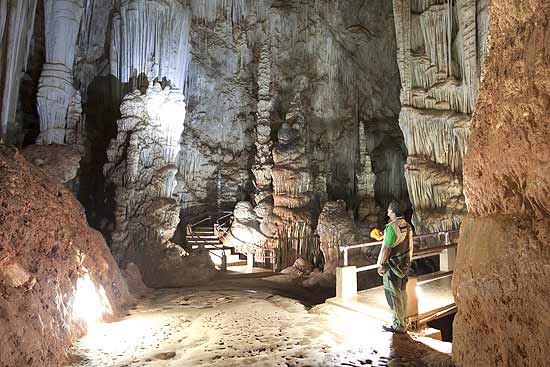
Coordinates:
335	228
16	29
57	274
245	234
58	101
150	39
292	186
439	56
368	209
142	166
263	159
501	280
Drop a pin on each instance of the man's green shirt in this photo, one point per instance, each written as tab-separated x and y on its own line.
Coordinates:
389	236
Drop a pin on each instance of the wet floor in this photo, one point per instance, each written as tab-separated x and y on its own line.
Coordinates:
241	324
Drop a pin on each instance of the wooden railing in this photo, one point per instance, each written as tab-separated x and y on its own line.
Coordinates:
202	242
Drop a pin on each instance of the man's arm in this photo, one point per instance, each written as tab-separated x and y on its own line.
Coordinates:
384	255
385	251
411	245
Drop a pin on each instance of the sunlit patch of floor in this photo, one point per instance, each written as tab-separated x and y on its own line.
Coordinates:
244	327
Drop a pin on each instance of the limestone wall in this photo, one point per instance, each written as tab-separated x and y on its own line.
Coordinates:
500	283
440	47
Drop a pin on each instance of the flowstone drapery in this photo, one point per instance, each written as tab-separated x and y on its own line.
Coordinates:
439	61
151	39
16	29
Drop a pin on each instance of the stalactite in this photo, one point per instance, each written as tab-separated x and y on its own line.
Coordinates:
151	38
435	25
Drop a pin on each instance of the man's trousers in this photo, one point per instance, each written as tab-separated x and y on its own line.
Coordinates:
395	289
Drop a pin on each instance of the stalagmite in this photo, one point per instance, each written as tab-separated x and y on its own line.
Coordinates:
142	165
368	210
335	229
263	159
292	188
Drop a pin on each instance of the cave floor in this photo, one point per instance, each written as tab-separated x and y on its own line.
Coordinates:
246	322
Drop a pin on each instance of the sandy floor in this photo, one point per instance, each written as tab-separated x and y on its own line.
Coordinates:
245	322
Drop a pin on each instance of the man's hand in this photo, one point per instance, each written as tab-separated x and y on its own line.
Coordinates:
381	269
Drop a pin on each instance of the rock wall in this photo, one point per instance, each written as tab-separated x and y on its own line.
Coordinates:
56	273
501	280
240	65
440	50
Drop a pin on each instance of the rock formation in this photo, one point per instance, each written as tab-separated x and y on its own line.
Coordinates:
56	273
60	162
368	209
150	38
335	229
292	186
439	54
59	105
501	280
142	166
264	159
245	234
16	29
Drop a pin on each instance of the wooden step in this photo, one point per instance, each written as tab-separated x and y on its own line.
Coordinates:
203	236
198	242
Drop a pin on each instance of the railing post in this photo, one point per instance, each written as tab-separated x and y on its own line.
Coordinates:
412	300
249	261
447	258
224	261
346	282
345	256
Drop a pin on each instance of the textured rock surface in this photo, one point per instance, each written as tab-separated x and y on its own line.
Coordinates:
59	104
439	62
335	229
60	162
150	39
51	266
245	233
501	281
292	188
16	29
142	165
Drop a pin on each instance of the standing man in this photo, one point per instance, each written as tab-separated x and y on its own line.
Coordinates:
394	263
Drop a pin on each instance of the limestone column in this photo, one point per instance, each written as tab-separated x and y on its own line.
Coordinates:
263	160
59	106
